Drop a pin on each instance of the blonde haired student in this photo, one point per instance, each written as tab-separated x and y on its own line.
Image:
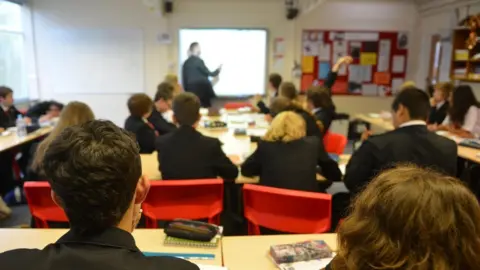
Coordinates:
173	79
286	158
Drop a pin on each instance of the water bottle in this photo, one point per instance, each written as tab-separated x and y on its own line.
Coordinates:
21	127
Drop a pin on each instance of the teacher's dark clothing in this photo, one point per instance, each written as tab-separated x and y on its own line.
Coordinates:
144	133
112	249
187	154
413	144
161	124
292	165
8	117
437	115
195	76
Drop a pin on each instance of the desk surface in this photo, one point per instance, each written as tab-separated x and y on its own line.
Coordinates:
386	124
146	240
251	252
12	140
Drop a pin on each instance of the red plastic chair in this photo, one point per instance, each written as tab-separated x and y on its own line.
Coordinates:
41	205
189	199
334	143
285	210
236	105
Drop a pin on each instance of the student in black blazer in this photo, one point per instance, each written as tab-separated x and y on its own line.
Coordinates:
162	104
9	114
45	111
95	173
411	142
140	107
185	153
320	103
274	82
285	158
439	103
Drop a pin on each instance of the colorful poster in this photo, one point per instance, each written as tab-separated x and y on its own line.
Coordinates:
382	78
323	70
308	64
368	59
307	81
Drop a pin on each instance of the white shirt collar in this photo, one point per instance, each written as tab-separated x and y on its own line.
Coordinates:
413	123
316	110
439	105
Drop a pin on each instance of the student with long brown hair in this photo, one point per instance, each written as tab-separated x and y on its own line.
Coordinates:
410	218
75	113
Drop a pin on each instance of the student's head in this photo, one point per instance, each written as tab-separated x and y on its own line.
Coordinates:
75	113
319	97
288	90
163	97
94	170
140	105
407	84
442	91
278	105
285	127
410	104
461	100
194	49
411	218
274	82
173	79
186	109
6	96
55	109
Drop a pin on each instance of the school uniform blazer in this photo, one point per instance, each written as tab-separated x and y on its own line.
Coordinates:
325	116
438	115
312	125
112	249
186	154
8	118
144	133
410	144
292	165
161	124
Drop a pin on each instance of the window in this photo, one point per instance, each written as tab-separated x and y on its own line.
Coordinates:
12	68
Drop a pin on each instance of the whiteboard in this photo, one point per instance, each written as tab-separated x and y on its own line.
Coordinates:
96	61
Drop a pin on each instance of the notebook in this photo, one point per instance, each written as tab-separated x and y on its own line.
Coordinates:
300	252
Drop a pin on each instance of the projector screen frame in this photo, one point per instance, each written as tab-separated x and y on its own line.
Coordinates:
267	54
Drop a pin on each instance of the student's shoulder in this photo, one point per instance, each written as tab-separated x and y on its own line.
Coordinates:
20	259
170	263
442	141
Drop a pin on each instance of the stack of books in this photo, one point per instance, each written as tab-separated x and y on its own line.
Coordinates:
306	255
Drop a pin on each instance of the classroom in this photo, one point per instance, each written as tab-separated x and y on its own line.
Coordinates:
240	134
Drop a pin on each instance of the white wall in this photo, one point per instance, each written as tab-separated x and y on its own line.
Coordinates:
49	15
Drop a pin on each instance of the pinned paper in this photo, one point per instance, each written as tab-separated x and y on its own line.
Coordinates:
382	78
384	55
369	90
310	48
323	69
307	64
398	65
396	84
368	59
359	74
307	81
324	51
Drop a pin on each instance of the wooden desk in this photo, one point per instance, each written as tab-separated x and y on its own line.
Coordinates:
463	152
12	140
146	240
251	252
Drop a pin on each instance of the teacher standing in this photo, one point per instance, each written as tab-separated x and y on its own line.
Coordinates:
195	76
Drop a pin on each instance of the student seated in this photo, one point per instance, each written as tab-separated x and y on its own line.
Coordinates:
95	171
185	153
282	104
411	141
463	115
319	102
45	111
274	82
140	107
75	113
10	113
285	158
439	103
162	105
411	218
173	80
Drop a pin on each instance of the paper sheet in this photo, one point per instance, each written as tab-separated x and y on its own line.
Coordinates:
384	55
278	64
396	84
359	74
323	70
324	51
398	65
308	265
369	90
307	64
382	78
310	48
339	50
368	59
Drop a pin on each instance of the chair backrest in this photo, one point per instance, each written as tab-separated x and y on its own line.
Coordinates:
38	195
190	199
287	210
236	105
334	143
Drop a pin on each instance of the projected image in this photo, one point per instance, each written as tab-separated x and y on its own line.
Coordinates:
241	54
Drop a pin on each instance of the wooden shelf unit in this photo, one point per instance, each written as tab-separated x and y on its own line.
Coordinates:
460	36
